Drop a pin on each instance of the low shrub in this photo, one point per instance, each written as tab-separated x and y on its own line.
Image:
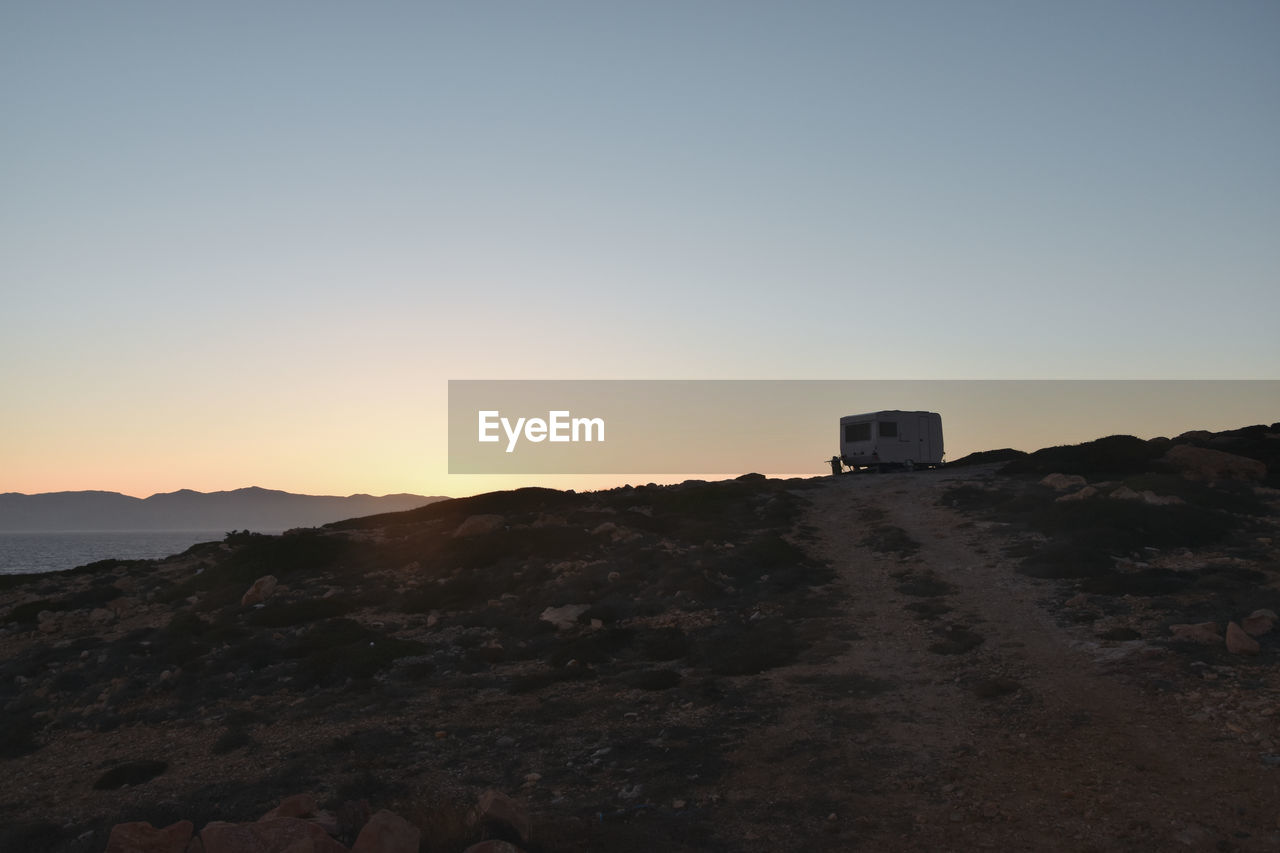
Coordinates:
306	611
1104	458
746	648
130	773
335	650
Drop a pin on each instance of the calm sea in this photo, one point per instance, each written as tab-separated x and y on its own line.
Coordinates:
49	552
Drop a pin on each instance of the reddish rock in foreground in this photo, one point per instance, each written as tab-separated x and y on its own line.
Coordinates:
142	837
387	832
266	836
1240	643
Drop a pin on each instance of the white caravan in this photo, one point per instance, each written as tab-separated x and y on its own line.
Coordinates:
891	439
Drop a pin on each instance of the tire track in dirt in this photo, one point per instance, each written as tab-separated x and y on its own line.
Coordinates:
959	715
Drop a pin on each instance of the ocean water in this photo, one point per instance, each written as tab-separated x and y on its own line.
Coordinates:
22	553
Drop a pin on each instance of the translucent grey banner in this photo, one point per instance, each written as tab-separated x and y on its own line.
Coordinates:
721	427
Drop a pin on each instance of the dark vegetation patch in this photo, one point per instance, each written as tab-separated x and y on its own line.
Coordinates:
928	609
994	688
1087	537
923	583
1104	458
970	497
1231	496
746	647
288	613
130	773
232	739
1144	582
955	640
592	647
651	679
985	457
254	555
17	734
332	651
663	644
846	684
37	837
94	596
890	539
535	681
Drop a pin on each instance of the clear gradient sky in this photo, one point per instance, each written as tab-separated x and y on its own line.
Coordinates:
248	243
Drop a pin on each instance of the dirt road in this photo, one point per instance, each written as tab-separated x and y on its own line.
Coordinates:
961	715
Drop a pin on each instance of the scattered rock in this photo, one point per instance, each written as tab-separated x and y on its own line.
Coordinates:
142	837
1084	494
1204	633
1201	463
1062	482
299	805
1153	499
493	846
565	616
387	832
497	807
1124	493
1240	643
1258	622
101	616
265	836
479	525
307	845
260	591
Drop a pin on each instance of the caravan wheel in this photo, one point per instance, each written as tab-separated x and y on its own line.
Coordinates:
909	465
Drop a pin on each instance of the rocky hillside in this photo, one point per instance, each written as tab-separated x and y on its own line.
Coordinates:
744	665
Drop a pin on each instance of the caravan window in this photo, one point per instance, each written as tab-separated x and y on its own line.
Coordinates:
857	432
888	429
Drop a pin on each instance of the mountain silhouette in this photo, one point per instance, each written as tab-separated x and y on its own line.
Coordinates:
251	508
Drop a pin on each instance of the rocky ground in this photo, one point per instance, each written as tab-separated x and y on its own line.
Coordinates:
1065	651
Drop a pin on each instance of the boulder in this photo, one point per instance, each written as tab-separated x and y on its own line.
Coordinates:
1259	622
479	525
1084	494
314	845
1062	482
1201	463
260	591
142	837
565	616
493	846
1204	633
1124	493
1161	500
495	807
266	836
1240	643
387	832
299	805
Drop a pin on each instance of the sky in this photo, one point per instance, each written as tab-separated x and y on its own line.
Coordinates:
250	243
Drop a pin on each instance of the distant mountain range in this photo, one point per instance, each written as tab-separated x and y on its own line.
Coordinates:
241	509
